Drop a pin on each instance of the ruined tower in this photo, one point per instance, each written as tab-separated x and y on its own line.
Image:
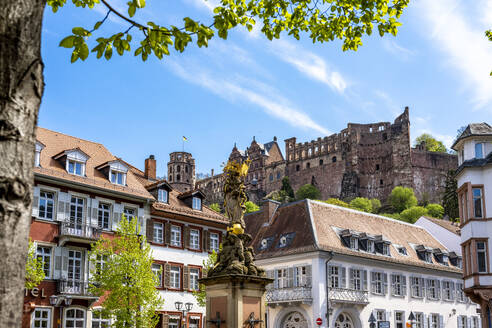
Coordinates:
181	171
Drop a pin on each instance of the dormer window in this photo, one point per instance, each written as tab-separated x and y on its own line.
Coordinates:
162	195
197	203
116	171
370	246
117	177
441	257
386	250
74	167
424	253
74	161
354	243
402	250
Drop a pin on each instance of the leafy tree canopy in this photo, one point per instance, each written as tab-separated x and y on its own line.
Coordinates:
34	268
280	196
402	198
337	202
121	269
413	213
431	143
251	207
361	204
489	36
287	188
308	191
376	205
215	207
435	210
321	21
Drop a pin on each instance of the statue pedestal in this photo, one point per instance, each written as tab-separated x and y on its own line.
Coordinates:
235	301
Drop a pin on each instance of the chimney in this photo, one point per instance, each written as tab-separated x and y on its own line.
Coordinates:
268	208
150	167
212	172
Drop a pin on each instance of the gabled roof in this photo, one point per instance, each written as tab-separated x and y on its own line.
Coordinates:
159	184
110	163
316	225
68	151
57	144
448	225
191	193
474	129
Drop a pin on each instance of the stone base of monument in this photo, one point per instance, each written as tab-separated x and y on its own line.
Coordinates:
235	301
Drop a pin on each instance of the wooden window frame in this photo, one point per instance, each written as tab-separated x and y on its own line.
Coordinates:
220	238
200	237
181	226
161	263
192	266
181	271
484	210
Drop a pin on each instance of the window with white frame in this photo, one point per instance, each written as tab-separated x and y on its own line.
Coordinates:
477	202
176	236
129	213
76	211
399	319
479	150
157	271
356	279
214	242
162	195
103	215
76	168
460	294
194	275
158	232
354	243
448	290
481	256
302	275
194	239
43	253
282	278
417	287
41	318
100	262
377	283
175	277
173	322
370	246
434	320
118	177
398	284
419	320
380	315
74	317
386	249
99	320
46	205
197	203
433	289
462	321
335	276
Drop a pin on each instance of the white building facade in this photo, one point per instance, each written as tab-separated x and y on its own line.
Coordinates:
340	266
474	177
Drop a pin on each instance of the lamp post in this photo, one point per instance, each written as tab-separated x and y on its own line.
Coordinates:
411	318
179	306
372	321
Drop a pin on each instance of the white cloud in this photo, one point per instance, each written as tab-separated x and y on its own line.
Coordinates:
388	101
224	87
394	48
463	42
308	64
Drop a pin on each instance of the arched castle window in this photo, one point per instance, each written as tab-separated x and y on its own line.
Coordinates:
334	159
178	177
186	169
170	178
178	168
298	167
278	175
320	162
308	165
271	177
310	152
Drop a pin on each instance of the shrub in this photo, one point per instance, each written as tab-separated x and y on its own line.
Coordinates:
402	198
395	216
215	207
336	201
280	196
413	213
435	210
308	191
362	204
376	205
251	207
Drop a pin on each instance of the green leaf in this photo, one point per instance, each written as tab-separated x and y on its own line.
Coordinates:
131	10
75	56
140	3
83	51
97	25
67	42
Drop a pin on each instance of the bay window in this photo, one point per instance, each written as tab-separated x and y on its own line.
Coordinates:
481	250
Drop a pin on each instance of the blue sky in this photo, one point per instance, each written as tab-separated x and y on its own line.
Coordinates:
247	86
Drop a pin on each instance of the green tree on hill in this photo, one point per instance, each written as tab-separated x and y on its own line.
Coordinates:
361	204
337	202
402	198
287	188
251	207
413	213
435	210
215	207
376	205
308	191
431	143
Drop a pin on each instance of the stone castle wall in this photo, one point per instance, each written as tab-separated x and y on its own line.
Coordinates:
366	160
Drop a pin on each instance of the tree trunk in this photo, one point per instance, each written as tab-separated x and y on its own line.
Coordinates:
21	88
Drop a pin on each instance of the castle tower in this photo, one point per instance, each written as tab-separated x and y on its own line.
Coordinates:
181	171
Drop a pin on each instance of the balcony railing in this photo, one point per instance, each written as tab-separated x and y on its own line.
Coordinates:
346	295
85	231
74	287
287	295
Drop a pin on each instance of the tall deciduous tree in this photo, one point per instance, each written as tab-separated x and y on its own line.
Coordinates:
402	198
121	270
200	295
450	196
287	188
34	268
21	82
431	143
308	191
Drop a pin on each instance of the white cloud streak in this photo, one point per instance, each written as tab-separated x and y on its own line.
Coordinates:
463	42
272	104
308	64
399	51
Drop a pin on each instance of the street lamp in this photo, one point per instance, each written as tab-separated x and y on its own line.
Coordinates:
188	307
411	318
372	321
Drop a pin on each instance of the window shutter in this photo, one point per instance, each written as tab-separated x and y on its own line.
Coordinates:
351	277
290	277
387	316
468	322
426	320
150	230
117	209
373	282
422	286
63	206
438	286
344	278
186	277
206	240
404	285
167	275
58	262
167	233
35	202
364	279
165	321
393	283
441	321
275	276
64	269
452	290
308	276
186	236
385	283
141	224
